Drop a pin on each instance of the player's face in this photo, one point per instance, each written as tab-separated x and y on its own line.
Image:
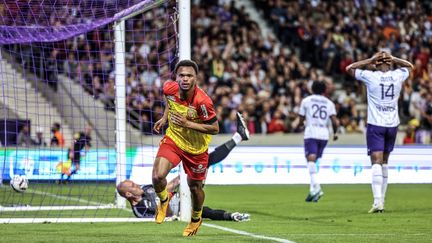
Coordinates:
133	190
186	78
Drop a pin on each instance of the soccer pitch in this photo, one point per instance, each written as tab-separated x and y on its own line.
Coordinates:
278	214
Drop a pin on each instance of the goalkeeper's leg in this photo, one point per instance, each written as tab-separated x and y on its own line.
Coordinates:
218	214
222	151
215	214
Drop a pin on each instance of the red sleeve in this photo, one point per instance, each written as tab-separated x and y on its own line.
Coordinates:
206	110
170	87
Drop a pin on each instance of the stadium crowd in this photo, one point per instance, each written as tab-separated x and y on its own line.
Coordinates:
265	78
340	32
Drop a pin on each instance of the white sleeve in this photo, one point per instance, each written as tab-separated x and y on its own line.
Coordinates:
363	75
403	73
302	110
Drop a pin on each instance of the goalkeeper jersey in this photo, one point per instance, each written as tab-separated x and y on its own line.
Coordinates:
198	108
146	208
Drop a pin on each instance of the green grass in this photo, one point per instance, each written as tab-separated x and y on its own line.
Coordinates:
276	211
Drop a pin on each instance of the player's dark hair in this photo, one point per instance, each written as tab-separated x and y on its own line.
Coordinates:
318	87
186	63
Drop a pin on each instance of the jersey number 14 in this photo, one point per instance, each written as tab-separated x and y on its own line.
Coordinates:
389	92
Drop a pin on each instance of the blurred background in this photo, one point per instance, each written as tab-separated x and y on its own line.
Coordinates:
256	57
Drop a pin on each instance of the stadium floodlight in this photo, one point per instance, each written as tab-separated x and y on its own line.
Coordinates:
68	68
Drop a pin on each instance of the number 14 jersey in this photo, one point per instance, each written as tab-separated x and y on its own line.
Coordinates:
317	110
383	90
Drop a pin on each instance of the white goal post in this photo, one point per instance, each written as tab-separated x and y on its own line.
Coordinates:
184	53
69	202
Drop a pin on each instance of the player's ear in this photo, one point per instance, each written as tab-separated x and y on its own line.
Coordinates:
128	195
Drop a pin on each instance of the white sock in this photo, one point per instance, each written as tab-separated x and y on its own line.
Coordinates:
385	179
314	184
237	138
377	181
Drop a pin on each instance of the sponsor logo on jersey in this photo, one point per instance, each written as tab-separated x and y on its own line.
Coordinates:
200	169
385	108
204	111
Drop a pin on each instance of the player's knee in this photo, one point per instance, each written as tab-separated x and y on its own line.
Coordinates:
312	157
157	177
194	188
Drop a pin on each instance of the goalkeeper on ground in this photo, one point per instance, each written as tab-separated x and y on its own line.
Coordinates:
143	198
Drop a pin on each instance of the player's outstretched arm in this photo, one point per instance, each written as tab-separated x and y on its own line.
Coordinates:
360	64
161	122
301	119
403	63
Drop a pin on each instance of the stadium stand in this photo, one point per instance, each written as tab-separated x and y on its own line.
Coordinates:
338	33
263	77
17	104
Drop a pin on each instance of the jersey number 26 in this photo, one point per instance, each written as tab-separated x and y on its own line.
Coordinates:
319	111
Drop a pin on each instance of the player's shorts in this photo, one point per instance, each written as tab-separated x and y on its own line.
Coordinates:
195	165
314	146
380	139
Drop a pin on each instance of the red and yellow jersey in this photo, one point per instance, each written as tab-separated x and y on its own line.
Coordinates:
199	108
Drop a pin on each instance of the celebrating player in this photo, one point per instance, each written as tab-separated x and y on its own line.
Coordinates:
191	122
317	110
143	198
383	89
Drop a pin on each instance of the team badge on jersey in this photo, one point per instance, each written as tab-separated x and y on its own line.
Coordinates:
191	113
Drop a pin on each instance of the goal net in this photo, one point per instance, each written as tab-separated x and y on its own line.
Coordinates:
80	86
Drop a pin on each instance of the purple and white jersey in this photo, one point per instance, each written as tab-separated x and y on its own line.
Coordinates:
317	110
383	90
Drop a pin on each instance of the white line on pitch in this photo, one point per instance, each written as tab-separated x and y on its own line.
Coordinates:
75	199
363	234
70	220
66	198
248	234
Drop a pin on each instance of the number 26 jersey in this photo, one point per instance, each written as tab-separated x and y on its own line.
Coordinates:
383	90
317	110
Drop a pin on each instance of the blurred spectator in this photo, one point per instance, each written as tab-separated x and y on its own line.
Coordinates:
346	104
39	140
230	124
424	133
417	103
57	139
24	138
276	124
409	135
108	96
70	65
52	69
